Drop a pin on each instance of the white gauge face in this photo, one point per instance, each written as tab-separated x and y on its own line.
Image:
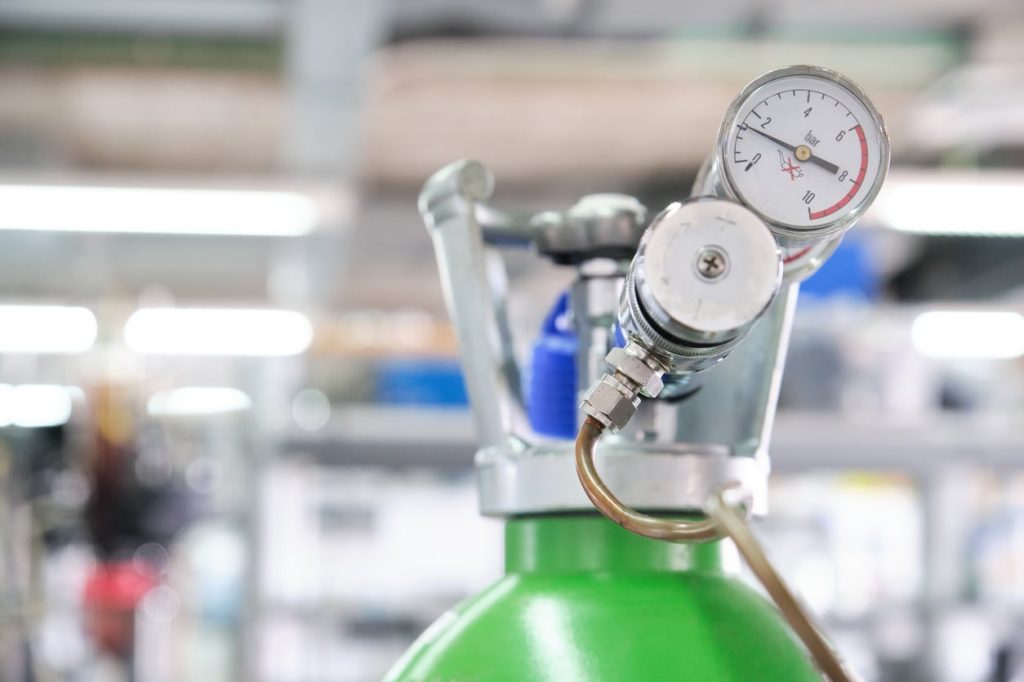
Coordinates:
804	150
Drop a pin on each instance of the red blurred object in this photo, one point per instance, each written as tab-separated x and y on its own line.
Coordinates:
112	594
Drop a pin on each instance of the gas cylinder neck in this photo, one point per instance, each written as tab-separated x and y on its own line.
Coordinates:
573	543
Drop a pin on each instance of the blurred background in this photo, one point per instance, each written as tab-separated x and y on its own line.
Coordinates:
217	302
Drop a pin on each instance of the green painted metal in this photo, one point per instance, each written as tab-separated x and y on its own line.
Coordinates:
586	601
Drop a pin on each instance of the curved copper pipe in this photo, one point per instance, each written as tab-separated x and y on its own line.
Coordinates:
672	530
733	526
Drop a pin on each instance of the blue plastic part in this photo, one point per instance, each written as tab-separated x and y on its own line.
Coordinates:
848	273
421	382
620	336
552	401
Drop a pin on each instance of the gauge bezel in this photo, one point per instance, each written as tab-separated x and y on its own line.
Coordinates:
788	231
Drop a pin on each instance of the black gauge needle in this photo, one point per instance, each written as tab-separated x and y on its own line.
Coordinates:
830	167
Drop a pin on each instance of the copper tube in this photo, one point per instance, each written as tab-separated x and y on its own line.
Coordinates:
732	525
673	530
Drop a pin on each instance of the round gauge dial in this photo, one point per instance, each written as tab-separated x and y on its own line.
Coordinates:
805	149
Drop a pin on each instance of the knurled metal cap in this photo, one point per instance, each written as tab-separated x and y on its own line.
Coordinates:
597	226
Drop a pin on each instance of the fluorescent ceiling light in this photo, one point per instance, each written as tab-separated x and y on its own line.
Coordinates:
982	204
197	401
969	334
54	208
46	329
212	331
35	405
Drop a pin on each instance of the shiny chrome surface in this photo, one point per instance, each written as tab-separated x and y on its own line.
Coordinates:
799	260
448	205
677	309
703	286
734	401
595	305
670	477
519	472
596	226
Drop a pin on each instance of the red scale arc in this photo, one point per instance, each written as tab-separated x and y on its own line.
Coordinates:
856	183
794	256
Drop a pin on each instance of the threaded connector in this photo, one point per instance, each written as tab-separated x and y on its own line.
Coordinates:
614	399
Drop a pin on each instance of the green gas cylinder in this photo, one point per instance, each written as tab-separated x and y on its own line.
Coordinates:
583	600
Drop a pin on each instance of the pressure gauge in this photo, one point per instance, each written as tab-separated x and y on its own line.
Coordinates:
804	148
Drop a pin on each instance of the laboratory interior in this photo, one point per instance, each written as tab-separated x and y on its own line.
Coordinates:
511	341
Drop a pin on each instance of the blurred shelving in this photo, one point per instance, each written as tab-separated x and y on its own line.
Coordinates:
390	437
803	441
807	441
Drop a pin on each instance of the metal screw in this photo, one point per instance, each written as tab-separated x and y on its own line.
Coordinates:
711	263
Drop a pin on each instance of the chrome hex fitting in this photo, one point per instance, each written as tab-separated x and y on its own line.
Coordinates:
611	402
639	367
614	399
